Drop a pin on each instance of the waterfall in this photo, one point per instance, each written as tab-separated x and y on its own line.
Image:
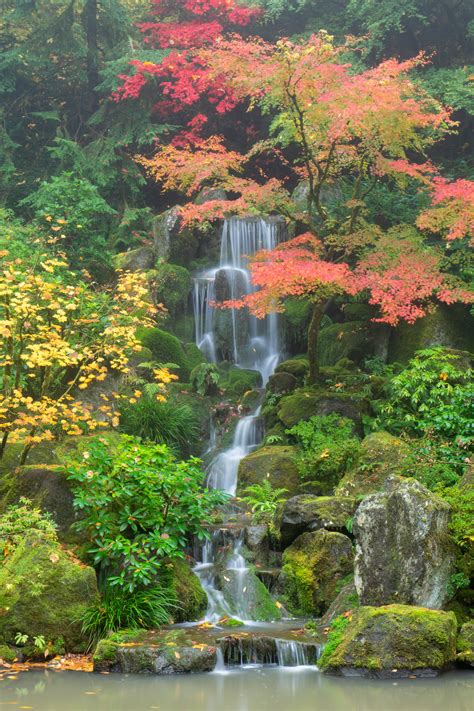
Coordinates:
234	334
292	654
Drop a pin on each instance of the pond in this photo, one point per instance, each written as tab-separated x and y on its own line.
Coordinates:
242	689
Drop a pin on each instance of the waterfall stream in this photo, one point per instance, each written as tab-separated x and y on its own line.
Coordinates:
249	343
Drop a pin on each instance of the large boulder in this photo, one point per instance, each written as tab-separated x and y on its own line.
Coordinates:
391	641
309	513
44	591
304	403
313	568
353	340
282	383
346	601
381	454
141	259
465	645
403	550
141	652
276	464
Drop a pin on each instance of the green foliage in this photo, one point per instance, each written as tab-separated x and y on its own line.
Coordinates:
120	609
205	378
328	446
172	286
18	520
139	506
264	501
74	207
170	423
434	396
453	86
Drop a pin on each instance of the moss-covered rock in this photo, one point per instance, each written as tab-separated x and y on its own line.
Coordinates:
276	464
353	340
298	367
237	381
306	402
403	549
43	591
248	596
166	348
380	456
395	640
8	654
312	568
309	513
465	645
139	652
191	597
172	287
345	601
135	260
282	383
443	326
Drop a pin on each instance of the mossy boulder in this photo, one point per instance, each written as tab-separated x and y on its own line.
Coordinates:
298	367
282	383
306	402
391	641
141	259
345	601
313	566
172	285
44	591
403	549
166	348
465	645
353	340
380	455
141	652
276	464
8	654
238	381
442	326
310	513
190	594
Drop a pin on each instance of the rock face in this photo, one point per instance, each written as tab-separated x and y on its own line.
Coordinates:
395	640
403	551
140	653
312	568
136	260
44	592
381	455
309	513
281	383
275	463
346	600
189	592
465	645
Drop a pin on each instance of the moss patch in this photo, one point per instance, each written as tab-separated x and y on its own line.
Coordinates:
191	597
275	463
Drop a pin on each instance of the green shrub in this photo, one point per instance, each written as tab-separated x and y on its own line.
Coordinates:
205	378
328	447
119	609
171	423
75	206
20	519
264	501
139	505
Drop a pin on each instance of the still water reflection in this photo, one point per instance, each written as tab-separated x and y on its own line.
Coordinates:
262	689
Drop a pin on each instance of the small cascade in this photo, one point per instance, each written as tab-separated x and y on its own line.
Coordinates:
223	469
217	606
294	654
233	334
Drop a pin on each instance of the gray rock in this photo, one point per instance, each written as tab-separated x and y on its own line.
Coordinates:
164	227
309	513
141	259
282	383
403	550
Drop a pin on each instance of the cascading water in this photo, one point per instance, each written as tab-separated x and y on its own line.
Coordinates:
235	335
251	343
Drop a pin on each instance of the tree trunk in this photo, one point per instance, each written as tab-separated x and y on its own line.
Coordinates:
3	444
313	334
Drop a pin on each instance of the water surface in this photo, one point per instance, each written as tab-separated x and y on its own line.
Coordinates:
260	689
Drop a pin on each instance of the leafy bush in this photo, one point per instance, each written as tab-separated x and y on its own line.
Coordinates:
74	206
120	609
170	423
264	501
20	519
205	378
328	449
139	506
